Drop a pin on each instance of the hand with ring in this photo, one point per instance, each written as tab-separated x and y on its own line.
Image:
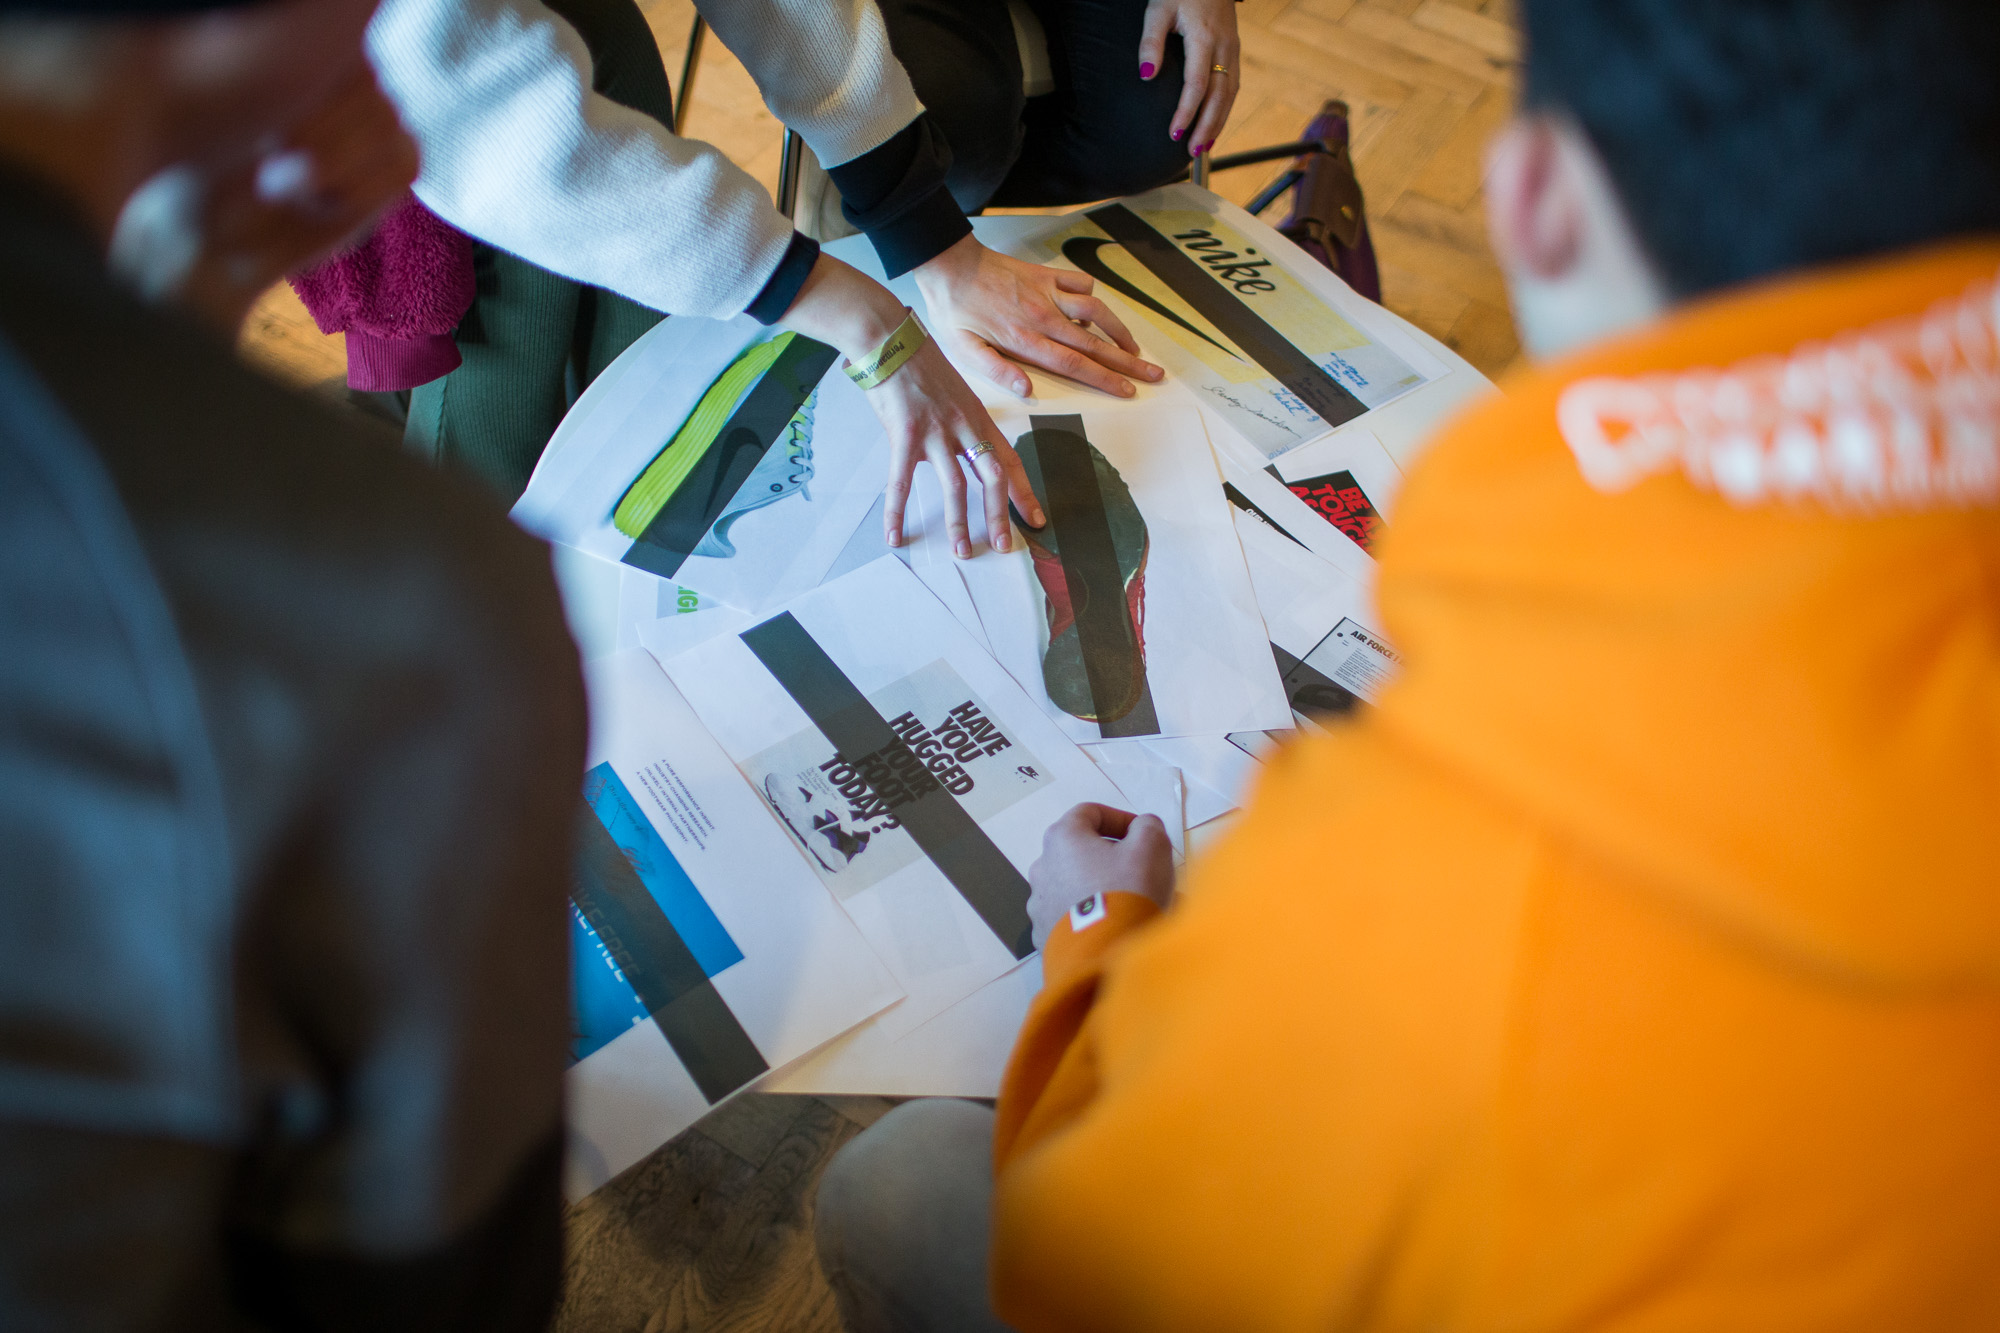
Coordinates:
928	411
1211	51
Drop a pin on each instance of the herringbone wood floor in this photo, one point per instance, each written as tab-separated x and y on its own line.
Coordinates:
713	1231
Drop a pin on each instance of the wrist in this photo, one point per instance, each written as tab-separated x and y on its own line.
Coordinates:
943	268
844	308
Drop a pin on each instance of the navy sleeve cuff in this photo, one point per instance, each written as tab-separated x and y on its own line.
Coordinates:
896	193
783	287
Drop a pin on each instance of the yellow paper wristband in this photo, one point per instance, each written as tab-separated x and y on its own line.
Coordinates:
887	359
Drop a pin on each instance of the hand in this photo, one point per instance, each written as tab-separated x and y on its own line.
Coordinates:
1096	849
1208	39
321	185
926	406
987	303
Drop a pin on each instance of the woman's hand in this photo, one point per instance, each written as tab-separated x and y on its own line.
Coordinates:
926	406
987	304
1095	849
1208	37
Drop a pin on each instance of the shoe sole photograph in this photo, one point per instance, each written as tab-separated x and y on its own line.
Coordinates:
746	444
1090	560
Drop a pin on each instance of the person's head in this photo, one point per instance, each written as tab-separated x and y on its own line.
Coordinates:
1670	148
212	147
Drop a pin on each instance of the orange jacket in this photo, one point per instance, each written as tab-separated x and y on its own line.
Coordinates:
1637	964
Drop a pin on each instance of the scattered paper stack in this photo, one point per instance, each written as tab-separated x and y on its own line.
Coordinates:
822	767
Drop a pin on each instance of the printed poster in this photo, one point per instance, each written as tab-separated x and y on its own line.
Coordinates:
843	811
1329	655
1347	480
1279	347
1130	613
864	708
729	459
705	953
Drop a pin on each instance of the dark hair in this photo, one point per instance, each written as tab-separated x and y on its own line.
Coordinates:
1748	137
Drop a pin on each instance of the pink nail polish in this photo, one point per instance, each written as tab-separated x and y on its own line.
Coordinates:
1205	147
1146	69
1177	135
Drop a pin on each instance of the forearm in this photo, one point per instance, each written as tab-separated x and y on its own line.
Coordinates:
844	308
824	68
519	152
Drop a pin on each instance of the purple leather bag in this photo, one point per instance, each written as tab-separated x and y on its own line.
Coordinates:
1328	220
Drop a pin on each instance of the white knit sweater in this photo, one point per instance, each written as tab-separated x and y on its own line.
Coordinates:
519	152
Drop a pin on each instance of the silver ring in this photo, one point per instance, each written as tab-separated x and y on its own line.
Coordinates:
978	451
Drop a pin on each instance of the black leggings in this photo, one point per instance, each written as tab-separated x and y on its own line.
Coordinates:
1101	133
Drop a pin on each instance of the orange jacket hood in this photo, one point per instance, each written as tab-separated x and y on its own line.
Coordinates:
1747	652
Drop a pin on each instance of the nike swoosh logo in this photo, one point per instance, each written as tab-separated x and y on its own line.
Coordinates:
726	449
1082	252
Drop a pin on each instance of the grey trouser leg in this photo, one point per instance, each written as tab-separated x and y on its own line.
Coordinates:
904	1219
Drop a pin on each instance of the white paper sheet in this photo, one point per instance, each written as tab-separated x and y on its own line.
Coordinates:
1315	613
960	1053
926	549
1321	621
1320	466
644	598
1150	788
1363	348
902	650
775	534
1207	669
591	600
1271	501
723	878
670	635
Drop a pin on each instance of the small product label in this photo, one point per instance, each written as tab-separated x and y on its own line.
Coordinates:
1366	662
1087	913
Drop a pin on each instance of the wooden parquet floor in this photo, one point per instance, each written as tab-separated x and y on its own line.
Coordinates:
714	1231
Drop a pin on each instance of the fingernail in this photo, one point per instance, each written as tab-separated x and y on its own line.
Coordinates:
1154	372
1004	542
1039	517
1126	389
895	539
1205	147
1146	69
964	549
1178	134
1021	387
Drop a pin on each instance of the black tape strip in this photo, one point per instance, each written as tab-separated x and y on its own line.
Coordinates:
1249	506
1058	457
943	830
657	963
1223	308
727	463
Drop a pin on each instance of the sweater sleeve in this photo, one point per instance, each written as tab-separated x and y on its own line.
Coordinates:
824	68
896	193
519	151
1051	1075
